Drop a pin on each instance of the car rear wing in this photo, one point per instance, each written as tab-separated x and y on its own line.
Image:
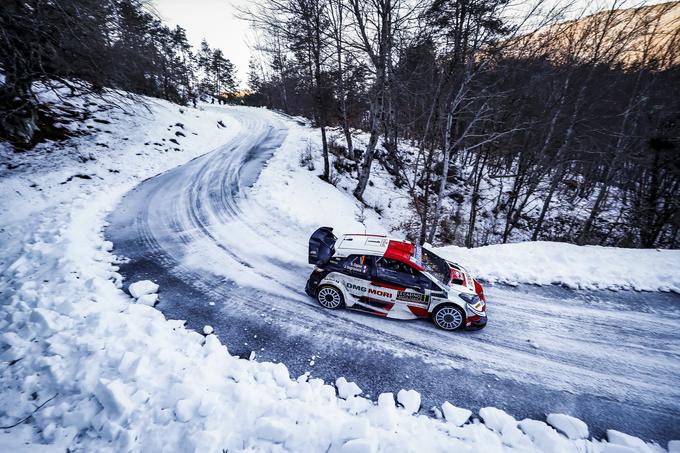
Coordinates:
321	246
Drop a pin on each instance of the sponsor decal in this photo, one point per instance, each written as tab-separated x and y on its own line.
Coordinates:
412	297
356	268
355	287
379	293
418	255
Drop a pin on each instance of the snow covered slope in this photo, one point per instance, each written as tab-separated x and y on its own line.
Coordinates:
121	149
577	267
286	186
96	371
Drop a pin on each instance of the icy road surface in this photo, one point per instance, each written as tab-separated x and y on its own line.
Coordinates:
611	359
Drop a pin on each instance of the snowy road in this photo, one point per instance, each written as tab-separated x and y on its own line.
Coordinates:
612	359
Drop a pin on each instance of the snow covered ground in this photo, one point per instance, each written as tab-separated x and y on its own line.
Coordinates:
89	368
576	267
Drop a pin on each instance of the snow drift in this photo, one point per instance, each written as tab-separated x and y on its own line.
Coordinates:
578	267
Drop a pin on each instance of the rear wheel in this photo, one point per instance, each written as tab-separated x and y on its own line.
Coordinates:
329	297
448	317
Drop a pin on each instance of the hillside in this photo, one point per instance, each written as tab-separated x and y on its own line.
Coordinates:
628	36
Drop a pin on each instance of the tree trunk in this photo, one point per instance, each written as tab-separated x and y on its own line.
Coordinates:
425	211
445	177
341	87
377	106
559	173
478	172
597	208
326	160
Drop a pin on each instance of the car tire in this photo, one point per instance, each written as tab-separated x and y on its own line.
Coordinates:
330	297
448	317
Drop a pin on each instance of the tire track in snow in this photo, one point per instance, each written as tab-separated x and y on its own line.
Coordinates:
543	350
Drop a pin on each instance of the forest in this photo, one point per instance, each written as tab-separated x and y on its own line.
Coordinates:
93	45
500	121
549	129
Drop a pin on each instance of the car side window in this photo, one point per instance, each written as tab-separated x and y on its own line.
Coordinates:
423	282
357	265
396	272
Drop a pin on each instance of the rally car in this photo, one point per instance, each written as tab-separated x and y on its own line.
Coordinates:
394	279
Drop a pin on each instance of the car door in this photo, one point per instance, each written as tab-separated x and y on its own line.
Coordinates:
399	285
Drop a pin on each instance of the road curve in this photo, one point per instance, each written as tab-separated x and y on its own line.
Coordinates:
611	359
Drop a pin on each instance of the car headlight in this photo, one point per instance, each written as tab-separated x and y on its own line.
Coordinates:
470	299
473	303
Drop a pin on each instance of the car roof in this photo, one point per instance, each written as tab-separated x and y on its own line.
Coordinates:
365	244
377	245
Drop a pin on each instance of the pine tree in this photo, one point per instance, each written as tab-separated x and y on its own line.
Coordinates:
222	72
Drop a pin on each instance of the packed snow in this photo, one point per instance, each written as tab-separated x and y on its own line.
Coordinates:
148	299
346	389
92	369
410	400
142	288
577	267
455	415
571	427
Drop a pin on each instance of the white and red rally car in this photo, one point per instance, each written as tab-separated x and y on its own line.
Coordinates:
394	279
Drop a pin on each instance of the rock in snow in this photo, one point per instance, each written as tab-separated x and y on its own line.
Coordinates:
570	426
455	415
410	399
143	287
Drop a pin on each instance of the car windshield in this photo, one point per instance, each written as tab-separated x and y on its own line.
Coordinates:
435	265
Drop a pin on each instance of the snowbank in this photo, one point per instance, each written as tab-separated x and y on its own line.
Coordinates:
98	372
300	197
578	267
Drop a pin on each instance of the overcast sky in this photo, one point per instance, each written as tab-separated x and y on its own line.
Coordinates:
215	21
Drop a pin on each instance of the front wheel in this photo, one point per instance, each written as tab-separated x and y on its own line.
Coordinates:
329	297
448	317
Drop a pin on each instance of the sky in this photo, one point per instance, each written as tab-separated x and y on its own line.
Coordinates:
213	20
